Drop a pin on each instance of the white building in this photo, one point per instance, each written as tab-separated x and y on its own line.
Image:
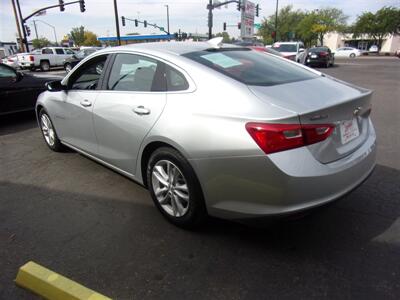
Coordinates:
335	40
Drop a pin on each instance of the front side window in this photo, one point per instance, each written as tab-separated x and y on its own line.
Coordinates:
59	51
251	67
88	75
131	72
68	51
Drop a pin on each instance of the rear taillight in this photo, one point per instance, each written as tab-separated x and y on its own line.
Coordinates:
279	137
31	58
323	54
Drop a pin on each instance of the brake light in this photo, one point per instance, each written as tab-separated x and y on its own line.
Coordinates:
323	54
279	137
31	58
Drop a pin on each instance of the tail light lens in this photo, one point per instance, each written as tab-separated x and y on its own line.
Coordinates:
279	137
323	54
31	58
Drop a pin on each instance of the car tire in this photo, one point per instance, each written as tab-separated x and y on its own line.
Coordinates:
44	66
352	55
326	65
67	67
176	194
49	133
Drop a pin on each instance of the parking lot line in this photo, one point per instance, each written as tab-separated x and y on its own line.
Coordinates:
51	285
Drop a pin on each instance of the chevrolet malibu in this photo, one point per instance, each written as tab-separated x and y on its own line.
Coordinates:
214	129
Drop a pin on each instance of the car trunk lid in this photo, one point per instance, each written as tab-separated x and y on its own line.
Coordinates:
325	101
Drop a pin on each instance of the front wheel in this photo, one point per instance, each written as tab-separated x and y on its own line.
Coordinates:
175	189
352	55
44	66
67	67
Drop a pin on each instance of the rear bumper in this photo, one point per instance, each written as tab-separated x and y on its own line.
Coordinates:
316	61
26	64
282	183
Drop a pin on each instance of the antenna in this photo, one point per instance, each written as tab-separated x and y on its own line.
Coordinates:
216	42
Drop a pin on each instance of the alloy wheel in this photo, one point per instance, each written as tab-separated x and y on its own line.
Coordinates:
47	129
170	188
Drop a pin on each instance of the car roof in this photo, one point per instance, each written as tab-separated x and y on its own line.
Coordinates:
173	47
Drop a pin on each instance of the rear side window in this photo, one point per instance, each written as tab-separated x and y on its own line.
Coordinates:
59	51
176	81
131	72
47	51
251	67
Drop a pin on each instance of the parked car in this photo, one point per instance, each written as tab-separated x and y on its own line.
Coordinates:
18	92
347	52
47	58
11	61
213	129
374	49
290	50
72	61
397	53
320	56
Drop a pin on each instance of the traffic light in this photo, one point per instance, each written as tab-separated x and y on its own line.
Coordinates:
61	3
145	23
28	30
176	36
224	26
239	25
82	5
257	10
184	36
123	20
239	5
136	23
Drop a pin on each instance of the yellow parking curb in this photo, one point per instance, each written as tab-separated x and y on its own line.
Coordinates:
51	285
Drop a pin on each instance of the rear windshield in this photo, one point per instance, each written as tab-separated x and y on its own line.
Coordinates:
285	47
251	67
319	49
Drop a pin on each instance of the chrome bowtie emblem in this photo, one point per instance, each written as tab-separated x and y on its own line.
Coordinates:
357	111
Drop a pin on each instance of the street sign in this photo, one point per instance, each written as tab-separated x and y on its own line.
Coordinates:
247	23
257	25
162	28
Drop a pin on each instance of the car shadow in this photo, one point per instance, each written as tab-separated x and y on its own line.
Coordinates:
124	248
17	122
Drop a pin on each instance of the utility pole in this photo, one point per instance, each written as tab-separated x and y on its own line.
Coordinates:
34	25
167	17
21	42
276	21
210	19
23	26
117	22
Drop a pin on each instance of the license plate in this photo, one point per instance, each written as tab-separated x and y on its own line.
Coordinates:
349	131
313	56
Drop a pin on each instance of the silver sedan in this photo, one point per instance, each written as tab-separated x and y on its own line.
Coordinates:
214	129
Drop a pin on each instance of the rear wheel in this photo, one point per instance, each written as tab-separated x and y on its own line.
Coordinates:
49	133
352	55
175	189
44	65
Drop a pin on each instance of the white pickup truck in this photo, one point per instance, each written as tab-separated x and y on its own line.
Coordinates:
45	58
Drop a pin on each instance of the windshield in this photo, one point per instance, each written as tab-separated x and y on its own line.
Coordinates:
251	67
285	47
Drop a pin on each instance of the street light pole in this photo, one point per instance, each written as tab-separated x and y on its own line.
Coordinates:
21	42
276	21
117	22
167	17
23	26
34	25
54	28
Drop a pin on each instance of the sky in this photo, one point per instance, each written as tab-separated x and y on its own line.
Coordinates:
187	15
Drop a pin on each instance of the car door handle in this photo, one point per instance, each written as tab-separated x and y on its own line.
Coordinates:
86	103
141	110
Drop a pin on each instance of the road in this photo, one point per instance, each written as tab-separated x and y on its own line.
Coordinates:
90	224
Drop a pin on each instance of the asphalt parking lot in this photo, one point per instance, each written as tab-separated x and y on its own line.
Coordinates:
94	226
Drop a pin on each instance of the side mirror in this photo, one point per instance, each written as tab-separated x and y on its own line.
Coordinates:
301	50
55	86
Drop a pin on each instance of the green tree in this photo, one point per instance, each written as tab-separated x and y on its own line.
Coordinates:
327	20
40	43
77	34
384	22
90	39
225	36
